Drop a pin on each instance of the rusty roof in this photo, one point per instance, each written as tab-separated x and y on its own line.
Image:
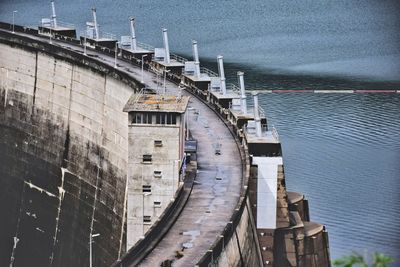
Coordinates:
156	103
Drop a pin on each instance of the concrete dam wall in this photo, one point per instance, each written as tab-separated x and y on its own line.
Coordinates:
63	174
63	156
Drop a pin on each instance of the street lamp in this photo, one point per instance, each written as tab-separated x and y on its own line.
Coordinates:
142	67
165	77
90	248
15	11
116	53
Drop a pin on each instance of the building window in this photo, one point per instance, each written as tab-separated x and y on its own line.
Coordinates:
146	219
157	174
147	158
171	119
147	118
142	118
157	203
160	118
146	188
157	143
166	118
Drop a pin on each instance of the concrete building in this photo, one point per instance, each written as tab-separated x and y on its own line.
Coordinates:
156	139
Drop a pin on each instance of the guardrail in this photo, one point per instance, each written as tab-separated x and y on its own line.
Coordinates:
208	72
145	46
178	58
65	24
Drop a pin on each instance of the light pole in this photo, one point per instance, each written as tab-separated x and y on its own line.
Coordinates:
165	77
90	248
116	53
142	67
15	11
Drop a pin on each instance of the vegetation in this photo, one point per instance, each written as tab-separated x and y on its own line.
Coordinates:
355	259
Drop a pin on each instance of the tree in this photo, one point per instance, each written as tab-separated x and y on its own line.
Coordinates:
355	259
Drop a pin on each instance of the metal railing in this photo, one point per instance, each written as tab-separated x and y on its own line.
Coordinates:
106	35
145	46
178	58
209	72
275	133
252	130
65	24
233	88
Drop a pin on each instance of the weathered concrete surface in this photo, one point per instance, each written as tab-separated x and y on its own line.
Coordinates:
63	158
241	249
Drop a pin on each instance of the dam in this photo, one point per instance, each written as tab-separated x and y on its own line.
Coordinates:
65	140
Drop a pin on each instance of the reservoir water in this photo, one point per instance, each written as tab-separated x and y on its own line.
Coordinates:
341	150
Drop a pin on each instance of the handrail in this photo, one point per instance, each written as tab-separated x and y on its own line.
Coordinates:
275	133
145	46
178	58
208	72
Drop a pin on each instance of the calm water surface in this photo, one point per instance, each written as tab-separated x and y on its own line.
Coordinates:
341	150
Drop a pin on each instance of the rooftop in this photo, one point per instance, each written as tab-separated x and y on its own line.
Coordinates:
229	94
203	77
172	63
266	136
156	103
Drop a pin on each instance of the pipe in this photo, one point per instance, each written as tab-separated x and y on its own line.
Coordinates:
196	59
257	115
96	28
243	103
166	47
54	17
133	35
222	74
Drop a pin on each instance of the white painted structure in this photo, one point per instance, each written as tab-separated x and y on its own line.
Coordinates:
267	185
53	15
243	102
167	58
221	72
133	35
156	139
258	139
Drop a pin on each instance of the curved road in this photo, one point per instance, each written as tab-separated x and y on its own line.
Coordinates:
217	186
214	197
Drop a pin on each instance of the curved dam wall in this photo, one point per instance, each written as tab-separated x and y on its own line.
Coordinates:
63	156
